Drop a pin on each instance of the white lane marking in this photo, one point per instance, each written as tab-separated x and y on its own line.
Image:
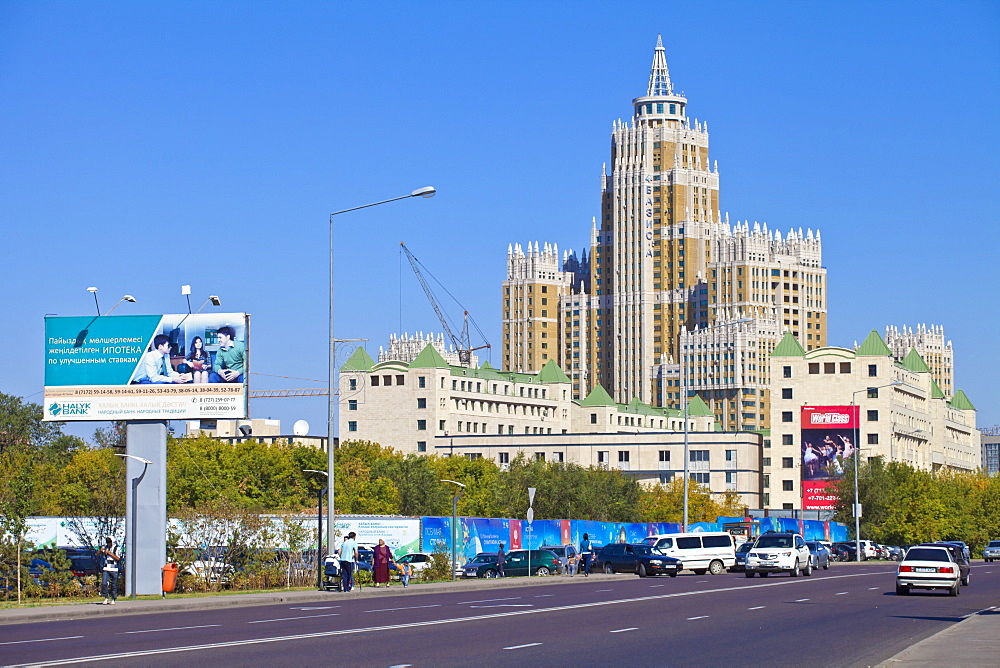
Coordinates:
800	600
698	617
596	590
840	593
490	600
700	581
175	628
631	628
504	605
873	588
654	586
402	665
410	607
757	607
317	607
19	642
433	622
285	619
543	595
530	644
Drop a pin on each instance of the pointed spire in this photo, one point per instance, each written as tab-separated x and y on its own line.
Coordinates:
659	75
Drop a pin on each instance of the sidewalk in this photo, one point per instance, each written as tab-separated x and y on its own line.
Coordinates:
971	642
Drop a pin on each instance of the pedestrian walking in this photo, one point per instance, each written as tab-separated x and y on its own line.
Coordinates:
110	563
348	558
500	559
381	561
585	552
404	574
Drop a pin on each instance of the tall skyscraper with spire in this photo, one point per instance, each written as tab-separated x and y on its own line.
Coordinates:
675	293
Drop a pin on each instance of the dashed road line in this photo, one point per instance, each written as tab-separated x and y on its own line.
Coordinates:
698	617
316	607
490	600
409	607
631	628
800	600
530	644
757	607
175	628
840	593
285	619
19	642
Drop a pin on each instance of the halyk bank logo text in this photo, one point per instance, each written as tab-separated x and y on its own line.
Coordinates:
57	408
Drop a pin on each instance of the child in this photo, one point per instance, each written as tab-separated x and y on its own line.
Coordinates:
404	573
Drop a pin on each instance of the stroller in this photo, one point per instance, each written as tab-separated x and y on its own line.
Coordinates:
331	573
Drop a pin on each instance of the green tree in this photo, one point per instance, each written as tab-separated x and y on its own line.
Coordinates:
21	424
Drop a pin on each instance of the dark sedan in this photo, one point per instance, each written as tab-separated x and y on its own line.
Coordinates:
741	557
639	558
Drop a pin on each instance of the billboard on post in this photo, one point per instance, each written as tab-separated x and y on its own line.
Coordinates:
827	449
146	367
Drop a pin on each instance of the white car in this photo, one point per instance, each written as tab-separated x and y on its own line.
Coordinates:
928	567
779	552
992	550
418	561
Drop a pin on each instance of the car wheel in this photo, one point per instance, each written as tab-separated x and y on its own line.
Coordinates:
490	573
749	574
674	574
956	590
716	567
699	571
809	568
608	569
641	570
902	590
795	570
764	574
965	580
542	570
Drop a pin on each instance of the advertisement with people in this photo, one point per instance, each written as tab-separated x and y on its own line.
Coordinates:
146	367
828	448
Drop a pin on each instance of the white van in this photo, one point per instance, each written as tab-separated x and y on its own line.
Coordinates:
710	551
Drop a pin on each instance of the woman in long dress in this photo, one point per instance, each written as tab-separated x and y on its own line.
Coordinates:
380	565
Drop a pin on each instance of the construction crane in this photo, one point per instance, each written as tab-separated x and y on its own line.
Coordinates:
461	343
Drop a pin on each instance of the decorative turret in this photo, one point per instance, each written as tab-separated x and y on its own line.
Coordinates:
660	101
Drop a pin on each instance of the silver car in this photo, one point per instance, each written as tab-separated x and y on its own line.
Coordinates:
992	550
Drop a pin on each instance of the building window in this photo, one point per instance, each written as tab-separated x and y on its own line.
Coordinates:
766	482
593	418
442	425
353	383
698	455
374	380
700	478
730	477
787	506
845	367
602	456
421	446
787	439
765	499
786	393
873	393
421	381
873	416
473	456
787	486
872	370
813	367
558	457
503	457
730	455
787	462
829	367
352	404
400	380
664	455
765	461
422	425
387	380
786	416
872	439
666	477
352	426
786	372
623	456
540	456
421	402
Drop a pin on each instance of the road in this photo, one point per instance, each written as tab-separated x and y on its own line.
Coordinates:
846	616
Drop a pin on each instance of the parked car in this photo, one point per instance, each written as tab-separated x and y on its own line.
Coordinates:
741	557
418	561
992	550
636	558
844	551
819	554
895	552
711	552
775	552
958	555
516	563
566	553
868	550
928	567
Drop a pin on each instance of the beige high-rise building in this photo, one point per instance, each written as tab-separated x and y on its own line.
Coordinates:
933	348
665	263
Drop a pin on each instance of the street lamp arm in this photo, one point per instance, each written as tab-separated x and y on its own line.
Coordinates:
426	191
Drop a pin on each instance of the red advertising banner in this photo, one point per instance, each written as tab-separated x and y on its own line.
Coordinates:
828	434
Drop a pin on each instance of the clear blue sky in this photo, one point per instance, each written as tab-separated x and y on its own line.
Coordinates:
148	145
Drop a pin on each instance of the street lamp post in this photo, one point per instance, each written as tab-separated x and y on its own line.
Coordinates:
135	487
319	530
426	191
684	403
856	414
454	524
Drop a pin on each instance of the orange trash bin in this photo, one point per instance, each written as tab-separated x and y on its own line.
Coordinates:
169	577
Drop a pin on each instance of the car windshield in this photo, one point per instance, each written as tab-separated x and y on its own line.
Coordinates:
774	541
927	554
483	558
744	548
994	543
643	550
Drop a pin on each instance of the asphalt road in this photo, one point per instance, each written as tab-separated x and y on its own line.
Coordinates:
846	616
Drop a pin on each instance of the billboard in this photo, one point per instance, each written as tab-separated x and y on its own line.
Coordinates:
146	367
827	448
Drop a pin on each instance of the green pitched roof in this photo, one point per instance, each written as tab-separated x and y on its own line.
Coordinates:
598	397
429	358
358	361
698	408
961	402
788	347
551	373
914	362
873	346
936	392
